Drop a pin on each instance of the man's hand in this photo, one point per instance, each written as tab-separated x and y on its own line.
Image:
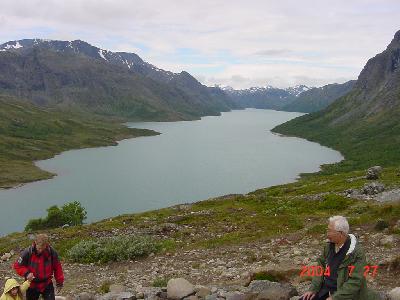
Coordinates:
330	298
309	296
30	277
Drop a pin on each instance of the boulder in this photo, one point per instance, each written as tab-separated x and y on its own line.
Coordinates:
268	289
191	298
118	296
397	225
168	227
274	293
212	297
373	188
6	256
387	240
126	296
394	294
202	291
117	288
374	172
179	288
242	296
85	296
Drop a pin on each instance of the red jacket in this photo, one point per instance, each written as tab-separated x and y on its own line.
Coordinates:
42	266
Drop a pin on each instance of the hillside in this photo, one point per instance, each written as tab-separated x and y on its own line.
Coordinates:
363	124
29	133
76	75
316	99
267	234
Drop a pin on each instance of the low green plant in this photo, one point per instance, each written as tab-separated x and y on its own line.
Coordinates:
105	287
381	225
160	282
118	248
269	275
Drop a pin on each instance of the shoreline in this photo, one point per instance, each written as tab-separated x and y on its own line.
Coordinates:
250	190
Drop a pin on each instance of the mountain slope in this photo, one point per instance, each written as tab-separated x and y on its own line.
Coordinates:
316	99
364	124
80	76
29	133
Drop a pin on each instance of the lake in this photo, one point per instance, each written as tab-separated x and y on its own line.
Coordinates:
189	161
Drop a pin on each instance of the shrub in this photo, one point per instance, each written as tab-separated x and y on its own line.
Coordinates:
334	202
271	275
105	287
160	282
118	248
72	213
381	225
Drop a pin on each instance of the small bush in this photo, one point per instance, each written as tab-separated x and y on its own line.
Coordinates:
117	248
160	282
105	287
274	276
334	202
381	225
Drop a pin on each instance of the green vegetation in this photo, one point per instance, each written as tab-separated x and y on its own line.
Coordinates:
364	140
299	208
71	214
160	282
29	133
105	287
270	276
116	248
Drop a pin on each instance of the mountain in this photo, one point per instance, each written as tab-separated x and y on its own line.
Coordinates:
364	124
265	97
316	99
77	75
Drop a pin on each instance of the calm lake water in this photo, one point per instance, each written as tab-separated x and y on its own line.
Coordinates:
189	161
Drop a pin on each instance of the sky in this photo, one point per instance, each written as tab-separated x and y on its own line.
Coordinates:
228	43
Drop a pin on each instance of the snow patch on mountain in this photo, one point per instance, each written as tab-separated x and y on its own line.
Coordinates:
101	54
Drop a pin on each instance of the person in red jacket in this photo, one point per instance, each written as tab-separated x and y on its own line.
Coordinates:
40	261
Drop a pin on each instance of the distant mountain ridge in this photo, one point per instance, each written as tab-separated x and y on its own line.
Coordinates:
265	97
78	75
316	99
299	98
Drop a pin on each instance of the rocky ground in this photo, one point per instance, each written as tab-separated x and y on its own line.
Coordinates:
230	265
225	270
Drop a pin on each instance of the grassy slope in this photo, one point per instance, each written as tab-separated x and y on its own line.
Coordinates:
303	206
28	133
363	140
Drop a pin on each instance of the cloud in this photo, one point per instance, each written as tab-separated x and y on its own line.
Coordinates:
252	41
274	52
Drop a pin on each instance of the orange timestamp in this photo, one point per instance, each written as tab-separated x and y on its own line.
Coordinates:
320	271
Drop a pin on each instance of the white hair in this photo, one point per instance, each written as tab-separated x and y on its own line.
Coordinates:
340	223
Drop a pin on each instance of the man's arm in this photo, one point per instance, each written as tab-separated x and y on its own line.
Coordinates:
316	282
353	284
57	269
22	263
